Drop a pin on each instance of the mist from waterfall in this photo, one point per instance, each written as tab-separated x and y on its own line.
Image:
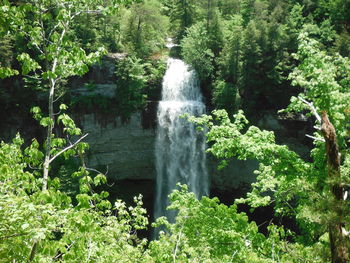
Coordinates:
180	148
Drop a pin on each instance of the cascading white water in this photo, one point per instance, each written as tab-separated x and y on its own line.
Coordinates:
180	148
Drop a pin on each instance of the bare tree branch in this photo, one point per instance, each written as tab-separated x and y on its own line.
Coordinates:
61	254
33	251
94	170
67	148
315	138
312	107
86	12
14	235
60	96
177	245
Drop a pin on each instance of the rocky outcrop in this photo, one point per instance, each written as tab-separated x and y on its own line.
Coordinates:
237	175
125	150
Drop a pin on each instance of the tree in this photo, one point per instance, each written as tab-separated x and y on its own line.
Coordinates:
52	57
144	29
196	50
296	187
252	59
337	10
247	10
6	44
229	7
225	96
207	11
130	84
230	57
207	231
182	16
225	93
326	83
49	226
6	52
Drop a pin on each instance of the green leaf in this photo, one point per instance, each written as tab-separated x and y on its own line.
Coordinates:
49	75
45	122
63	107
7	72
28	63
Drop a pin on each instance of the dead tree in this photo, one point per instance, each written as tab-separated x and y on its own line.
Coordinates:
337	236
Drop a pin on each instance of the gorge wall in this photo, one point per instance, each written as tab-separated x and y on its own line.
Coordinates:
126	148
126	151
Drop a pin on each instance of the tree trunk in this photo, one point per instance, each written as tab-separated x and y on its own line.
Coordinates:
49	137
338	241
208	14
52	82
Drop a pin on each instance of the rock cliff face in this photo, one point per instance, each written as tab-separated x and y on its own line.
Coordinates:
126	150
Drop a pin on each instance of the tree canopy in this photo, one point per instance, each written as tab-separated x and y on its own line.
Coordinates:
252	57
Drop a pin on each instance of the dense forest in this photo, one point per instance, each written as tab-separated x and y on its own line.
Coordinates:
251	56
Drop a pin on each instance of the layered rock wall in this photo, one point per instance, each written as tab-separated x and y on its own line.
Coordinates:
125	150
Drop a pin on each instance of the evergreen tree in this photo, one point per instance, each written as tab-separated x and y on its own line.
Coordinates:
196	50
6	51
182	16
252	59
144	29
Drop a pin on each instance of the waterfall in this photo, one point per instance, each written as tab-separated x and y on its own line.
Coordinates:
180	148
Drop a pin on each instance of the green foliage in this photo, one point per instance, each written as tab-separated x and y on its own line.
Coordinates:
256	53
154	71
45	226
225	96
130	84
225	91
337	10
228	7
47	35
252	62
144	28
325	80
230	58
6	43
206	231
6	57
247	9
137	81
93	30
236	140
182	16
297	188
6	51
241	49
342	44
196	50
